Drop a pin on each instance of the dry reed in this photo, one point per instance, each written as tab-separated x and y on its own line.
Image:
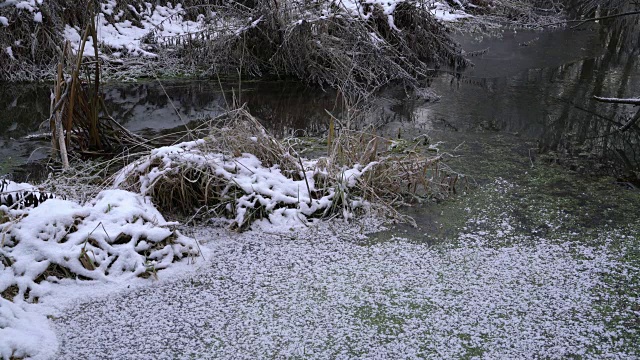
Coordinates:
207	178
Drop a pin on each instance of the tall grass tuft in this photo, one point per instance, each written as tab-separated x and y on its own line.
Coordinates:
240	172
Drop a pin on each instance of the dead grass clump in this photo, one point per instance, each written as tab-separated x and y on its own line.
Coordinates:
79	119
204	174
10	292
242	173
399	171
237	132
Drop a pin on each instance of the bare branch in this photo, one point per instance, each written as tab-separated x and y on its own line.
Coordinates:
584	21
631	101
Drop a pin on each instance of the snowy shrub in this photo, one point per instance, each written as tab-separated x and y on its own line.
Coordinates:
242	173
118	234
186	177
31	36
354	45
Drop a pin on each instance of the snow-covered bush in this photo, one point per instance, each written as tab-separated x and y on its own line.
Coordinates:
118	234
242	173
31	35
355	45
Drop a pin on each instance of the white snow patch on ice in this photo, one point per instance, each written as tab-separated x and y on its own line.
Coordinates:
308	293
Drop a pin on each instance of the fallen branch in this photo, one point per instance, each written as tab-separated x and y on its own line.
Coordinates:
584	21
630	101
630	122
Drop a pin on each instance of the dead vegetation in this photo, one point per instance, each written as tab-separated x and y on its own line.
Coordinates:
323	44
131	240
35	46
79	118
242	173
320	43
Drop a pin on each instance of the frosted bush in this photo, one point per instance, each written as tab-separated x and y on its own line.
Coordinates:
118	234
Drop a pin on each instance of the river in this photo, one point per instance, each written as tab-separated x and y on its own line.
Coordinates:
537	85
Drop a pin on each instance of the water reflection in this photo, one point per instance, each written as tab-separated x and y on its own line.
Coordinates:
281	105
544	90
149	107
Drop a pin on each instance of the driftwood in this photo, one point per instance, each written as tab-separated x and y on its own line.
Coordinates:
630	101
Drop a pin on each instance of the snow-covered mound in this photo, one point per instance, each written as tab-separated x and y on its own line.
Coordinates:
117	235
240	188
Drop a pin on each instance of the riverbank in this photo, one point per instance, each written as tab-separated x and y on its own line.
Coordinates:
137	39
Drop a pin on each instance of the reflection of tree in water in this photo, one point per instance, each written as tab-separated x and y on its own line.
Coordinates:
580	126
282	106
22	108
186	96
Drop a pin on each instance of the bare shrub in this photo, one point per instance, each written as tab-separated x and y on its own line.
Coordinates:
35	46
323	44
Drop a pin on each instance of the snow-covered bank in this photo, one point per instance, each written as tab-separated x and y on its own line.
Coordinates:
139	38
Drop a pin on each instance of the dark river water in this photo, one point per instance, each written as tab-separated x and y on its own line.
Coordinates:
537	85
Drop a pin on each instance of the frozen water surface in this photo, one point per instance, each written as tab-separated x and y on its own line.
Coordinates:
320	293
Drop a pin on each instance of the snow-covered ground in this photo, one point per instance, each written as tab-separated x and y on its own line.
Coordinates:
319	294
324	292
114	238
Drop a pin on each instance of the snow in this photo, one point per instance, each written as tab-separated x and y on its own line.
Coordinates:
312	294
116	237
12	192
317	291
164	22
444	12
24	332
440	10
9	52
167	23
26	5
